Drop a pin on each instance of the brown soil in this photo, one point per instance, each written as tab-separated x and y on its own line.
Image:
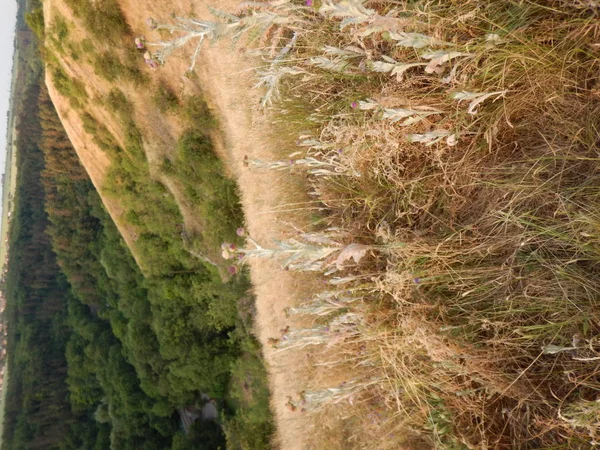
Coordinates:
225	79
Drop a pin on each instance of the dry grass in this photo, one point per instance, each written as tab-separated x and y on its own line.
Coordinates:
478	300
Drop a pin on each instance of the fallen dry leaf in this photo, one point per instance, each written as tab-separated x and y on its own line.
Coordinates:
352	251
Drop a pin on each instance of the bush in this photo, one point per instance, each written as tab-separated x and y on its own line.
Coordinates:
70	87
164	98
251	426
104	19
100	134
35	21
196	113
210	192
107	65
117	102
111	67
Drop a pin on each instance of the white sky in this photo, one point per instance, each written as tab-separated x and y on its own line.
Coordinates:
8	17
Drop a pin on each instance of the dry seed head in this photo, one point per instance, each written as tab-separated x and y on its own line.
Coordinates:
415	40
476	98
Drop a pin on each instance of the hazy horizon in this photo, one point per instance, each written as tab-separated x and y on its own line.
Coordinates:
7	36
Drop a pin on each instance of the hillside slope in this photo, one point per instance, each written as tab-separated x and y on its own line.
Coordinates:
448	153
244	132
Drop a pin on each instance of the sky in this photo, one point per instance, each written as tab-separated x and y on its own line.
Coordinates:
8	17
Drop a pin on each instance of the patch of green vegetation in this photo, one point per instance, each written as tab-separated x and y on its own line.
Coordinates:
155	341
195	112
74	50
107	65
87	46
38	411
35	21
165	98
132	58
178	281
71	88
117	102
111	67
248	399
208	434
129	346
100	134
104	20
210	193
58	33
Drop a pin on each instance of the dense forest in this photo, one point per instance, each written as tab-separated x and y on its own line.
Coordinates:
101	355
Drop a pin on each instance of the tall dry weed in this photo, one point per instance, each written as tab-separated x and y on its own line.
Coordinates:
470	136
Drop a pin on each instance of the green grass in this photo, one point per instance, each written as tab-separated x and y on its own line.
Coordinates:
71	88
87	46
100	134
104	20
58	34
211	195
165	98
107	65
119	104
195	113
112	67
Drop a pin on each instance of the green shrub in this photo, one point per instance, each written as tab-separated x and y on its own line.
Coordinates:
70	87
74	50
100	134
117	101
107	65
211	193
196	113
104	19
111	67
35	21
87	45
59	28
251	425
164	98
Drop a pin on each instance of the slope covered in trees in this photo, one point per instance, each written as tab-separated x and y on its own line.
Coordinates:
37	410
100	354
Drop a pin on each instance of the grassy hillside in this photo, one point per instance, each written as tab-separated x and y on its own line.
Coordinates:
128	342
458	147
451	151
